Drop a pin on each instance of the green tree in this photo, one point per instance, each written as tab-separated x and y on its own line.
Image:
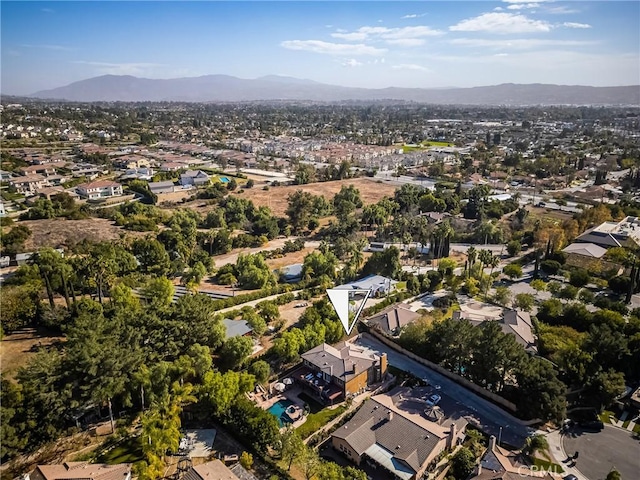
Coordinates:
291	446
524	301
462	463
540	394
502	295
159	292
514	247
19	306
152	255
538	285
512	271
385	263
579	277
536	443
261	370
246	460
236	350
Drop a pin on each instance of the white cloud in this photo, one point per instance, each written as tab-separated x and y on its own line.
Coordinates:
60	48
498	9
402	36
521	1
503	23
122	68
576	25
407	42
318	46
352	62
410	66
518	43
522	6
47	10
560	10
414	15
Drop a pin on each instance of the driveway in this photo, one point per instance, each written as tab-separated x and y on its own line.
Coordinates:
484	414
599	452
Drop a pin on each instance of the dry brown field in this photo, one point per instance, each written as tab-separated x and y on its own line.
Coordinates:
17	348
59	232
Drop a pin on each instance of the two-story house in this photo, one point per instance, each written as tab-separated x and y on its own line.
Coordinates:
340	371
100	189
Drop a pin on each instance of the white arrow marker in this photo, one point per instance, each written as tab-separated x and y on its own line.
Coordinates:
340	300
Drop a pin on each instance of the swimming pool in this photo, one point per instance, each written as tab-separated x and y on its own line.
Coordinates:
278	411
224	179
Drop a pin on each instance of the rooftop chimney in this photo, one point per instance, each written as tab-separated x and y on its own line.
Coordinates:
451	439
390	415
492	443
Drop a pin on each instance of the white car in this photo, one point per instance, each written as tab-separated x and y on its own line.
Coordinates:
433	400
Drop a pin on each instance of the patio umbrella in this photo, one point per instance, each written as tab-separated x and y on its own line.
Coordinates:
280	387
288	381
435	414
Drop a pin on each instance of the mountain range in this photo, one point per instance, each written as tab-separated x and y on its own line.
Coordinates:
225	88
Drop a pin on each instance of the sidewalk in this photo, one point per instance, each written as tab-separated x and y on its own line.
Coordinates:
556	449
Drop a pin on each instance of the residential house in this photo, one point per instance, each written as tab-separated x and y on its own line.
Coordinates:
81	471
586	255
28	184
514	322
45	169
214	470
5	261
100	189
498	463
194	178
172	166
405	444
3	212
625	233
50	192
393	319
343	370
236	328
162	187
378	285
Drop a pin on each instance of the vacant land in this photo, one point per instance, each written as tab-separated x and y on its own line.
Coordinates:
16	349
276	197
59	232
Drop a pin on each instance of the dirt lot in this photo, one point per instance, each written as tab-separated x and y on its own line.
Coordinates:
60	232
16	349
276	197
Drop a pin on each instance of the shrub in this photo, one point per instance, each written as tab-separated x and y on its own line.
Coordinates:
579	277
550	267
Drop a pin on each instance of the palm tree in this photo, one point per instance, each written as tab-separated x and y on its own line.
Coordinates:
535	443
495	261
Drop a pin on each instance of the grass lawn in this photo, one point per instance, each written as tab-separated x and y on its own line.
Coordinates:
433	143
625	424
127	451
605	416
636	428
548	466
318	420
407	149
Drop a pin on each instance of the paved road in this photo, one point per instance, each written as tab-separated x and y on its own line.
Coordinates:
488	416
601	451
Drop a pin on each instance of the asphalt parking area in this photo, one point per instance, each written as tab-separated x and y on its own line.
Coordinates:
599	452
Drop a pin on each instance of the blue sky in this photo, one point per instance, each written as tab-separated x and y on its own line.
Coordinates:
363	44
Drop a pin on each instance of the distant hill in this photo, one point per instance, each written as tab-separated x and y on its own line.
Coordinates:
225	88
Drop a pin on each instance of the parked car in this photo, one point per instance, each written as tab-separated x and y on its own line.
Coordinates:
433	400
592	425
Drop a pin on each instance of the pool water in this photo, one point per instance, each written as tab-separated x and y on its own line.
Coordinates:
278	411
224	179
